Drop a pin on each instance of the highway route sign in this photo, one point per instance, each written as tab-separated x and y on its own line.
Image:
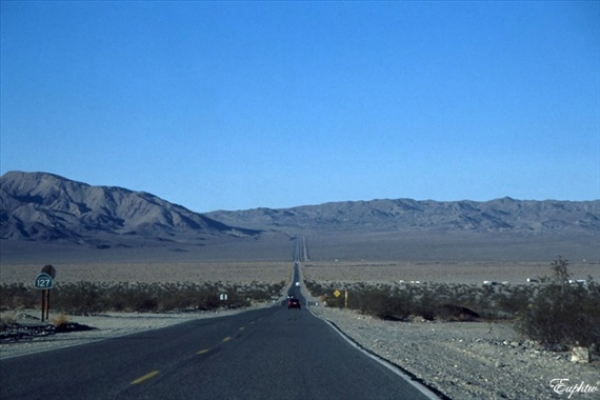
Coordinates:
43	281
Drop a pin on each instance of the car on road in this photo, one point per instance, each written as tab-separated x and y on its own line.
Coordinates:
294	303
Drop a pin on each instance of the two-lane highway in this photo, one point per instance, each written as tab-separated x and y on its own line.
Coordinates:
271	353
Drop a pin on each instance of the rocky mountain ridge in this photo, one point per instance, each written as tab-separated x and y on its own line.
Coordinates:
42	206
501	215
45	207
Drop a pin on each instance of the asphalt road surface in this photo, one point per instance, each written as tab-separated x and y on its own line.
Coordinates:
271	353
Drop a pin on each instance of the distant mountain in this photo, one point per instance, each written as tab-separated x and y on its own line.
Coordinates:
42	206
504	215
47	207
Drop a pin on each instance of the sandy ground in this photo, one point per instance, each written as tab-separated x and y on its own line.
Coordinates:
467	360
152	272
270	271
448	272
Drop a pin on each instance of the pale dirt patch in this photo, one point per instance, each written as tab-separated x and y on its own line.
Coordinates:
153	272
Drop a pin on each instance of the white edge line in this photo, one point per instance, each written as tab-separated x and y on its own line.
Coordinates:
389	365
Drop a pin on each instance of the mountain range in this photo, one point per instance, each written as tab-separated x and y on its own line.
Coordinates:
43	207
505	215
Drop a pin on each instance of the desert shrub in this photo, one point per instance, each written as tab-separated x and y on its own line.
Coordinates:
17	296
435	301
451	312
426	305
174	296
514	301
314	288
371	300
119	296
556	312
83	298
399	306
564	314
333	301
560	270
258	291
324	291
59	320
79	298
430	301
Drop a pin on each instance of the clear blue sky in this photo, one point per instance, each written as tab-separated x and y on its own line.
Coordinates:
277	104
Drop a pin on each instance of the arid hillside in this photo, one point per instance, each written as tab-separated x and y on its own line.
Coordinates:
46	216
504	215
41	206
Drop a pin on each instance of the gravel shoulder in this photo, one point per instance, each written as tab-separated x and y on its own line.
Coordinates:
468	360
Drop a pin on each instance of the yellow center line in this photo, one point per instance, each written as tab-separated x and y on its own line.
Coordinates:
227	339
143	378
203	351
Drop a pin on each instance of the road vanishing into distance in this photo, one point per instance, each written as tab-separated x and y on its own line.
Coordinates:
270	353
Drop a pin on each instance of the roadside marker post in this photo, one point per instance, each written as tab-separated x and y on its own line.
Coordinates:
337	294
44	282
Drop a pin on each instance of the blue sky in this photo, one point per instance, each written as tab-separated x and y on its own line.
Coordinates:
227	105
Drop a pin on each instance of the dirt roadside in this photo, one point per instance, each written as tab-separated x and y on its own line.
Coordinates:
470	360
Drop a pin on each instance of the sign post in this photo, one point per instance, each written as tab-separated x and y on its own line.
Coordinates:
337	294
44	282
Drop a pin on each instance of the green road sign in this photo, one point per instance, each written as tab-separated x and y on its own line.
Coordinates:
43	281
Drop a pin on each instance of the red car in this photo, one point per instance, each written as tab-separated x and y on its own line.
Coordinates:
294	303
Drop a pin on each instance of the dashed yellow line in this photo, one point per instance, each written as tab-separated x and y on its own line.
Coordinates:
145	377
154	373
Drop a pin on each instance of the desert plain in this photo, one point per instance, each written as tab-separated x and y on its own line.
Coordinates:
149	272
379	271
